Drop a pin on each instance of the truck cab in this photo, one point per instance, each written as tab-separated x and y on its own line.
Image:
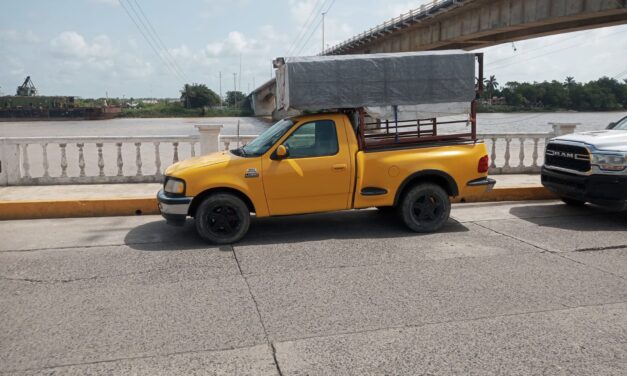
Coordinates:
589	167
321	163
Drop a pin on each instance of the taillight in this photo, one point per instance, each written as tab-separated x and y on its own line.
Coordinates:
484	164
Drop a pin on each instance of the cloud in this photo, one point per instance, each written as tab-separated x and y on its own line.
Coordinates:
99	54
73	45
19	36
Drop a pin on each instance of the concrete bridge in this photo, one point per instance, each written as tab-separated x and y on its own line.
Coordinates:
473	24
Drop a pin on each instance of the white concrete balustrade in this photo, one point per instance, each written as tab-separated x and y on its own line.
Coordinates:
97	160
139	159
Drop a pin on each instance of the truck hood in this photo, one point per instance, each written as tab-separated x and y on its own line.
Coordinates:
202	161
610	140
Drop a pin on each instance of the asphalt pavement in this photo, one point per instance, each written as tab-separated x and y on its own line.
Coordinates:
524	288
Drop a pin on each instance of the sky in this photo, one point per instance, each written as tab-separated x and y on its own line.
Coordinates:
93	48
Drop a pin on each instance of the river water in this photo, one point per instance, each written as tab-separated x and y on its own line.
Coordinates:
487	123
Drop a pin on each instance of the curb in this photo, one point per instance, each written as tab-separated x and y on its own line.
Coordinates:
39	209
511	194
78	208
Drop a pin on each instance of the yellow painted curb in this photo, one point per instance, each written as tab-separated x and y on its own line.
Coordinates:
78	208
148	205
511	194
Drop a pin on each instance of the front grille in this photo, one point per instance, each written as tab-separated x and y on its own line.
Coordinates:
570	157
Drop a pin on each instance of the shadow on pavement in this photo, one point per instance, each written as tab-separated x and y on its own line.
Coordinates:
354	224
562	216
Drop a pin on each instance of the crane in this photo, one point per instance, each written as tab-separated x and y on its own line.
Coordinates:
27	89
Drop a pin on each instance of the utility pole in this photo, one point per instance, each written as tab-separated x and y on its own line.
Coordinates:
240	71
220	89
323	14
234	81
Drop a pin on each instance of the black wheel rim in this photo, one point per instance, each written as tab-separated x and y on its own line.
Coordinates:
223	220
427	209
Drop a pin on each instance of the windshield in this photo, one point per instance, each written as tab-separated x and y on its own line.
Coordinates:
261	144
621	125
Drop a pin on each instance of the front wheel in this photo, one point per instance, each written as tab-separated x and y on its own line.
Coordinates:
425	208
222	218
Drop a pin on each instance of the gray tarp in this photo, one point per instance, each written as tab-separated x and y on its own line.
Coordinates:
351	81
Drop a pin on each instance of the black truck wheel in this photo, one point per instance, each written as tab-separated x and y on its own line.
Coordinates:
572	201
425	207
222	218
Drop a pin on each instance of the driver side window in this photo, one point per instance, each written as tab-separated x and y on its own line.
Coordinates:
315	139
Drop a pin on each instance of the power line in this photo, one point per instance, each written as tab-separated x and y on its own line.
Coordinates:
552	52
315	28
535	49
154	40
150	43
306	26
158	38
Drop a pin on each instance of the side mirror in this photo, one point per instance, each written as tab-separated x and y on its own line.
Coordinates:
611	125
282	152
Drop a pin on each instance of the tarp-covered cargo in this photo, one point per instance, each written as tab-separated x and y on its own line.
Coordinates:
352	81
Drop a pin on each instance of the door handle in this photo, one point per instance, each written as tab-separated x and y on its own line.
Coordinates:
341	166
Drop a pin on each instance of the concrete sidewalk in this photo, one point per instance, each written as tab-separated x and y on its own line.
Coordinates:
96	200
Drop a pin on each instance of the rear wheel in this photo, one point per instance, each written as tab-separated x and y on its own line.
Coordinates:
425	208
222	218
572	201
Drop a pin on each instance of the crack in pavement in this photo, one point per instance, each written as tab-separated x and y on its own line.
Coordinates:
263	325
562	255
54	281
273	348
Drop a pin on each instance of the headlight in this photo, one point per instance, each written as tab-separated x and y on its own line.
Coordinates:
610	162
173	185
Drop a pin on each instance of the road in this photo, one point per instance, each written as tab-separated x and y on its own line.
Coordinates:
507	288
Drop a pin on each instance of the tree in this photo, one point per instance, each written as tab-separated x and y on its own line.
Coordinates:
491	84
234	98
570	81
198	95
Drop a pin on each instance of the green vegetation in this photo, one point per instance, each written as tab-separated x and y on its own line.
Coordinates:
196	100
199	95
176	109
604	94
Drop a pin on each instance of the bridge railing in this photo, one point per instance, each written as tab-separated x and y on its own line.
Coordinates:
425	11
97	160
140	159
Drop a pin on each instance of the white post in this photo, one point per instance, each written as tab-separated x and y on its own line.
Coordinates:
9	163
563	128
209	137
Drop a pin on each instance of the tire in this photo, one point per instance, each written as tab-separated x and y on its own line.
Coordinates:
425	208
572	201
222	218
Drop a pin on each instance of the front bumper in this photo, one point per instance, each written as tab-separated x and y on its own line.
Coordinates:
173	208
606	190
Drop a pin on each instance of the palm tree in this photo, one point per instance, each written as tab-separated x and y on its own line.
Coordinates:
491	84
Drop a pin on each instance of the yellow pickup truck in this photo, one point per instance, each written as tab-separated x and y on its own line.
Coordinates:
328	162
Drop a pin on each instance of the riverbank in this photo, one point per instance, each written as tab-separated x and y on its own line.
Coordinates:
175	110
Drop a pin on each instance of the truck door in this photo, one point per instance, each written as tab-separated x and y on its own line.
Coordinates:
315	174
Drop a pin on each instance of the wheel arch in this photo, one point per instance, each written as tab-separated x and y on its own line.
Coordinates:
201	196
438	177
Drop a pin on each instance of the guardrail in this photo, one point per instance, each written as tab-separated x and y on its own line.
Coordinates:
140	159
97	160
424	12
